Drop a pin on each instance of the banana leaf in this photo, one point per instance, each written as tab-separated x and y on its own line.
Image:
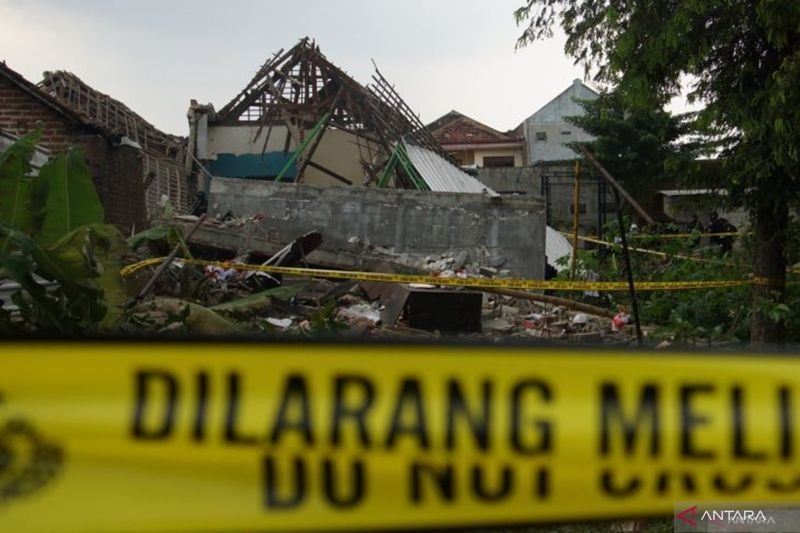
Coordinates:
86	266
71	200
258	301
169	233
16	186
197	319
92	255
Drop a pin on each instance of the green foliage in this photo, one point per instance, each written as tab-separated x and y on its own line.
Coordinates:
16	186
55	246
642	146
169	314
740	58
254	303
71	287
167	233
71	200
690	317
325	321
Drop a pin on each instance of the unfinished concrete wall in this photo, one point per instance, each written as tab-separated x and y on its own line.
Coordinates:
521	180
508	232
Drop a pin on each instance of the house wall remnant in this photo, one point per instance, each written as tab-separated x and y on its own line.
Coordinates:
116	169
239	151
162	154
508	232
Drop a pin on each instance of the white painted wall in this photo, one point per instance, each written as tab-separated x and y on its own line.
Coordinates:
338	150
550	121
241	140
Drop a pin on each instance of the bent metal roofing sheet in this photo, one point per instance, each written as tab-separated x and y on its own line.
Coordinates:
441	175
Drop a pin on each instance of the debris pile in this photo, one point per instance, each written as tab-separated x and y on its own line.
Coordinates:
463	264
217	297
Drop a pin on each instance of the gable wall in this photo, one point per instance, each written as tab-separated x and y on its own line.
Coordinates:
550	121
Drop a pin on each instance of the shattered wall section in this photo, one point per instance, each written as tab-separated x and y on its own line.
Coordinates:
506	233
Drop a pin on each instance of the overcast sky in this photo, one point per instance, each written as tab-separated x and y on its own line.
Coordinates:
157	55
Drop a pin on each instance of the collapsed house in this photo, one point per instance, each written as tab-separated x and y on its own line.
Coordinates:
285	147
114	165
162	155
132	163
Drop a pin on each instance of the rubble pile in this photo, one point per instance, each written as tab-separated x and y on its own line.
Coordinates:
223	298
463	264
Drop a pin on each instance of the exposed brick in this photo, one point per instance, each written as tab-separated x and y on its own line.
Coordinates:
116	170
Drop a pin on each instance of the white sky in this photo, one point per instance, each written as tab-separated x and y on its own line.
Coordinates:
157	55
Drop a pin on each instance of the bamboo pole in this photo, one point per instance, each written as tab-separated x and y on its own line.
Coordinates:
615	185
576	218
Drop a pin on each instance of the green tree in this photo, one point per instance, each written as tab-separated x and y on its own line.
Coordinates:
643	146
741	59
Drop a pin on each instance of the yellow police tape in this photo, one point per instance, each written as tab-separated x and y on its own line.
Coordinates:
654	252
486	283
244	437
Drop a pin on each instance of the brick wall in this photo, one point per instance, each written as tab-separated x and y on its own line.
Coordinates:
116	170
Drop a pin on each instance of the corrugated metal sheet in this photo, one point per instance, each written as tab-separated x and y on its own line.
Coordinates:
441	175
556	246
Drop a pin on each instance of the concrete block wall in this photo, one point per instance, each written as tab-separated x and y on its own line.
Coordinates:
116	170
520	180
417	223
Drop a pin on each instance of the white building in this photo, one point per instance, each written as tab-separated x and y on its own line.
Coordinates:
547	132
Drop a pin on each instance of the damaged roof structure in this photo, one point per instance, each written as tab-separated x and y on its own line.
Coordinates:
115	165
303	119
163	172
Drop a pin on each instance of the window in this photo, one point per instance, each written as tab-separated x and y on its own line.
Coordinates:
541	136
498	161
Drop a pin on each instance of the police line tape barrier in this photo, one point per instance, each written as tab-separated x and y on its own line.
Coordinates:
485	283
659	253
722	263
657	236
246	437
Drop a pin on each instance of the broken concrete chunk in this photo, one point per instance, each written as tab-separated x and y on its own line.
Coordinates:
495	261
460	259
508	311
360	311
282	323
487	271
499	325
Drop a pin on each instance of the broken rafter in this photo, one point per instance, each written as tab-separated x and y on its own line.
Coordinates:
306	77
108	114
